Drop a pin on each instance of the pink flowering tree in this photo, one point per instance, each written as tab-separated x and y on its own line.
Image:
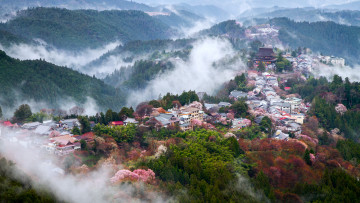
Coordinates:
137	175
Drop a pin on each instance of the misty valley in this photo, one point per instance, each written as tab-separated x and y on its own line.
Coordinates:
179	101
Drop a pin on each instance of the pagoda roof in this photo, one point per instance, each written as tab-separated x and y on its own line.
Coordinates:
263	52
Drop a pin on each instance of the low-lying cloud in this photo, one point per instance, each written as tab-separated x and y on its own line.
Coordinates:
90	106
46	170
329	71
72	59
198	73
197	27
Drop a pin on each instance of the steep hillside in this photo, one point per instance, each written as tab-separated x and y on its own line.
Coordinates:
85	28
7	38
326	37
44	82
181	18
229	28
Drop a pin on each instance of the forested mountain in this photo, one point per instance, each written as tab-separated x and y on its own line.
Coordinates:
181	18
207	11
137	76
76	4
133	49
7	38
13	190
44	82
309	14
85	28
229	28
325	37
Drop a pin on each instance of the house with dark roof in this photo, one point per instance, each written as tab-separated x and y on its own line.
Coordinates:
238	94
265	55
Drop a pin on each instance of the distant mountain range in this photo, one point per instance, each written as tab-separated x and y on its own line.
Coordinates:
345	6
305	14
76	4
208	11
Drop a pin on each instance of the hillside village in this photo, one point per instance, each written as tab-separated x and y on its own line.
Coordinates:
265	99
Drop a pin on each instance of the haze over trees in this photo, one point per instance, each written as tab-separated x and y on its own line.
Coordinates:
76	29
163	146
42	81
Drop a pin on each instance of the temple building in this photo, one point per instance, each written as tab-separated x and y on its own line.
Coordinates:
265	55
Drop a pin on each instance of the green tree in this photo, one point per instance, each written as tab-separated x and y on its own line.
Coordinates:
261	67
255	45
280	57
155	103
76	131
1	113
126	112
240	108
85	124
38	117
108	116
307	157
22	113
266	125
280	66
83	145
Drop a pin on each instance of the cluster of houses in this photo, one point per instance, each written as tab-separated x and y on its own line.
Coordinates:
57	135
186	116
288	114
306	63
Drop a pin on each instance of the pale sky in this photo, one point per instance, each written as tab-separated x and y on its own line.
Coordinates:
251	3
236	7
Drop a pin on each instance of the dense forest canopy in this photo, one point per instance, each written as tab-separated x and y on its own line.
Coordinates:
75	29
41	81
138	48
230	28
326	37
13	190
345	17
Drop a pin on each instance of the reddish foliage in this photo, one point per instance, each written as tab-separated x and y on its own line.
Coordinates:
139	174
291	197
134	154
244	144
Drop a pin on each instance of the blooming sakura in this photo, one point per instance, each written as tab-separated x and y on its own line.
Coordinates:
138	174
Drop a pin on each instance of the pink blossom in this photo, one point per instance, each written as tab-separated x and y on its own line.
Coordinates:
312	157
138	174
196	104
145	175
305	137
340	108
196	122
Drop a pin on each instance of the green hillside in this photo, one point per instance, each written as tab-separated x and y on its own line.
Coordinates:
41	81
75	29
325	37
230	28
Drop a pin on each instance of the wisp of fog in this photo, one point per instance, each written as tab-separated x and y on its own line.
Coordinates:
198	73
45	170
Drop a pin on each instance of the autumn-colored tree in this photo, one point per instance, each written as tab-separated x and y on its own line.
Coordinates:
144	109
176	104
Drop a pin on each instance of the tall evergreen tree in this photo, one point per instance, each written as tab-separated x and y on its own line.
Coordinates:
22	113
